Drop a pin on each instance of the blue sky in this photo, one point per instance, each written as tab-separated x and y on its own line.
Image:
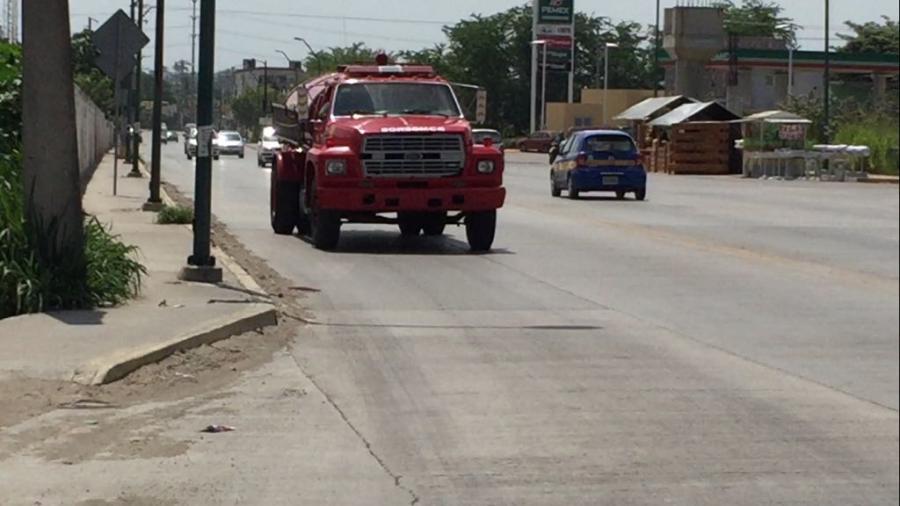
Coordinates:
253	33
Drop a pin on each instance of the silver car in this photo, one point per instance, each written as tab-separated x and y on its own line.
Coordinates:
230	143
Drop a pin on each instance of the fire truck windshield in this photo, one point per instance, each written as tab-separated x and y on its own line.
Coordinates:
395	99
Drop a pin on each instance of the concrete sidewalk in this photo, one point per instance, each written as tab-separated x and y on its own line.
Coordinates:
105	344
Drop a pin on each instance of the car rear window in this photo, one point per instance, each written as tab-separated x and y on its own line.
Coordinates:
231	137
608	144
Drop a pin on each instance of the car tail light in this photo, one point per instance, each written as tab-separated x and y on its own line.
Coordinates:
639	160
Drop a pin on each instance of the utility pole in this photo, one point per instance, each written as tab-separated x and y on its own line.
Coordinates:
51	178
201	265
534	70
827	84
136	125
193	88
656	44
265	105
154	203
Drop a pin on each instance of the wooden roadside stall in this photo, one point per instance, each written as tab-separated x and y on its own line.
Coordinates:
700	140
636	119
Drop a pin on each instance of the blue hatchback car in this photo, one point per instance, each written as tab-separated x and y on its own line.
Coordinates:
598	161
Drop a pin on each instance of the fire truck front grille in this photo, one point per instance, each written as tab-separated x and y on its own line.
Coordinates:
398	155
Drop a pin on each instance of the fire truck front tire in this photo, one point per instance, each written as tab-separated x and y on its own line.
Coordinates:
284	205
434	223
325	229
410	224
480	229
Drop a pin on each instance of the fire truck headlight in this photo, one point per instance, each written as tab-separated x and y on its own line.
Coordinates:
336	167
486	167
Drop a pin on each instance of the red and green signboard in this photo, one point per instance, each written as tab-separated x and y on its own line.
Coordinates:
555	24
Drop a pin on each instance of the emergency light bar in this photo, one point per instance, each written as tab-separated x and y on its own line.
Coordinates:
388	70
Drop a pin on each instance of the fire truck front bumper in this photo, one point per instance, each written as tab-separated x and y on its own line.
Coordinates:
386	200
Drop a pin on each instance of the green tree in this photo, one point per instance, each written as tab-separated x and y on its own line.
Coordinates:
872	37
248	107
758	18
87	76
323	62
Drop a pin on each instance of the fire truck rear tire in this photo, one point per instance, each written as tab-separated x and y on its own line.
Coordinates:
325	229
480	229
285	205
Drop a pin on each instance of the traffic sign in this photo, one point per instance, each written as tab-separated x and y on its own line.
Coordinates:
117	43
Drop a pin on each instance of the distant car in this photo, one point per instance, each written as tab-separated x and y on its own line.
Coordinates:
230	143
265	150
170	135
539	142
598	160
480	134
190	144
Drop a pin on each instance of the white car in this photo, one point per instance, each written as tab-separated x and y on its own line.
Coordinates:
268	145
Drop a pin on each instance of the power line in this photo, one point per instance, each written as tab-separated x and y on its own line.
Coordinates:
336	18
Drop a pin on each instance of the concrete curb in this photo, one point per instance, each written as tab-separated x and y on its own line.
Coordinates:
116	366
879	180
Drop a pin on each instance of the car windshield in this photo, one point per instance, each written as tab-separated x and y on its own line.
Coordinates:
395	99
608	144
481	136
230	137
269	138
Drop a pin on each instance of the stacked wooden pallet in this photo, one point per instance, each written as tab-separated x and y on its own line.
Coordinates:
657	156
700	148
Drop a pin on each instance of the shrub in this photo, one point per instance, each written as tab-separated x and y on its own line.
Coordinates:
175	215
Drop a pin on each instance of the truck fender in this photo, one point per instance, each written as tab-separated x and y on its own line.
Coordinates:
289	165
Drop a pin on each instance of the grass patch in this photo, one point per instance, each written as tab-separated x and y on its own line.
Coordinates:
109	276
175	215
881	135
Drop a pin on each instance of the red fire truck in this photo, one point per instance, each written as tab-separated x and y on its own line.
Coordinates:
382	144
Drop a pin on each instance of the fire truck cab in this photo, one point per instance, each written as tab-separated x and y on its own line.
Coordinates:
382	144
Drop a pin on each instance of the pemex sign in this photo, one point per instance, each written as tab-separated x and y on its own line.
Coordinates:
556	12
555	23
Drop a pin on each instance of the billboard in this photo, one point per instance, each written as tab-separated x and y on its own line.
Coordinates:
555	24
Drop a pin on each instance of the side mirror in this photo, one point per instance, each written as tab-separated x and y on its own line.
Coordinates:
554	153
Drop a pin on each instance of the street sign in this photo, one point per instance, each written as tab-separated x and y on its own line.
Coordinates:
117	43
555	24
481	106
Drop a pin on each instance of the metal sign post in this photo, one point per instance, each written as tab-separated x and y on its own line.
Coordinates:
554	23
117	42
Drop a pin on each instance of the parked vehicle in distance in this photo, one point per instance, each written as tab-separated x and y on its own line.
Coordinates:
382	144
266	148
538	142
170	135
480	134
598	160
230	143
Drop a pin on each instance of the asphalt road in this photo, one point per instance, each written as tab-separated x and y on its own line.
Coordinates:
725	342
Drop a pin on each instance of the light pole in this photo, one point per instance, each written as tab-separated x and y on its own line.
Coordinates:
827	74
606	49
312	52
790	47
543	44
290	65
